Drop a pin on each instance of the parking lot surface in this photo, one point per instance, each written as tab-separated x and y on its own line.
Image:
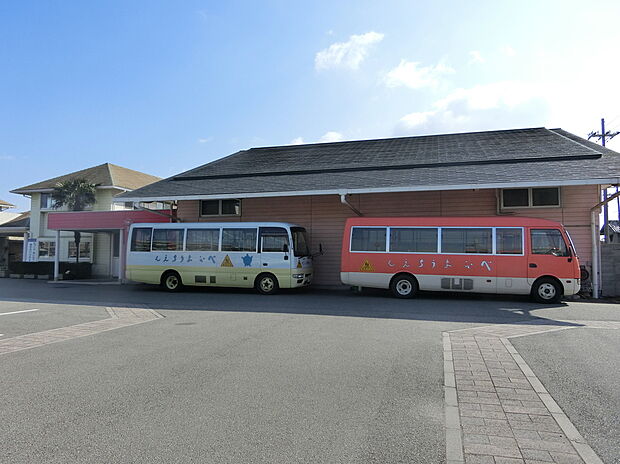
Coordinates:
231	376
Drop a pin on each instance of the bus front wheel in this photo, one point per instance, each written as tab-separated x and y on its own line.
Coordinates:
404	286
171	281
266	284
547	290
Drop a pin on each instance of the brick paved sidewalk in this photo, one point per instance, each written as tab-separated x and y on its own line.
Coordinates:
497	411
119	317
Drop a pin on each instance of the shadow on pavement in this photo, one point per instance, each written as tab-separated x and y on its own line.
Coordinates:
371	303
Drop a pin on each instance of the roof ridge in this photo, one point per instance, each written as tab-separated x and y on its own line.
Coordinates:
445	134
553	131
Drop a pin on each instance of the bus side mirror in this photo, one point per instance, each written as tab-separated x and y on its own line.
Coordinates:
285	248
320	251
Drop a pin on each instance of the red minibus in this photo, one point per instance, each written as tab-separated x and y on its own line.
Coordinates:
465	254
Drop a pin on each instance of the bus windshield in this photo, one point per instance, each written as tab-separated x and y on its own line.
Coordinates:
300	241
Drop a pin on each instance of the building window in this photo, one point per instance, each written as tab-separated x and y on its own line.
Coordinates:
533	197
220	207
368	238
47	249
457	240
47	201
84	250
167	239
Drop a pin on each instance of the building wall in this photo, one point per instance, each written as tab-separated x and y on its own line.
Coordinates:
610	269
100	247
324	215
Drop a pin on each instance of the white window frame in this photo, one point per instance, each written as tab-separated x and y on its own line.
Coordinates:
530	198
440	237
82	257
50	203
48	257
219	208
387	237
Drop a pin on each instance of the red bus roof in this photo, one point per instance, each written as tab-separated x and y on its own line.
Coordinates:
453	221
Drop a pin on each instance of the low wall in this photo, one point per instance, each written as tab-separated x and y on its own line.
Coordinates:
78	271
610	269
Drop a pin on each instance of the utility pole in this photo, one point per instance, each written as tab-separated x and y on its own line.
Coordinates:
603	136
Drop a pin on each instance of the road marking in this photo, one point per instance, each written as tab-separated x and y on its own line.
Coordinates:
119	317
17	312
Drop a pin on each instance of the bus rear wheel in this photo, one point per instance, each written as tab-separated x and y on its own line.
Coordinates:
266	284
171	281
547	290
404	286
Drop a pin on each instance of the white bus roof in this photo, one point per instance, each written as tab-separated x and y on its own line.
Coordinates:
206	225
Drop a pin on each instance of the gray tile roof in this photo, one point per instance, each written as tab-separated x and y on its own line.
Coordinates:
535	155
107	174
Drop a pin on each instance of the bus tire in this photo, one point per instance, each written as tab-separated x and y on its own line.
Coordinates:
547	290
171	281
404	286
266	284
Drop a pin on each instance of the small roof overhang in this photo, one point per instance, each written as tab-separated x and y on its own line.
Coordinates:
353	191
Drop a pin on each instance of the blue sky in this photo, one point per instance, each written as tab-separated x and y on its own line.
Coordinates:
163	86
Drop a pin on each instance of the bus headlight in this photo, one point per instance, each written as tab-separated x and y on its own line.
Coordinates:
298	276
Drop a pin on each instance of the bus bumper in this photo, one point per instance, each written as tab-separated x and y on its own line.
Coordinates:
571	286
301	280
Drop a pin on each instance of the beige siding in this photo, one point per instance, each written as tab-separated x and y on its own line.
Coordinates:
101	247
324	216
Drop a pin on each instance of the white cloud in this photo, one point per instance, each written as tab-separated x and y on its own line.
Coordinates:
205	139
507	50
410	74
331	136
6	157
348	54
476	57
496	105
297	141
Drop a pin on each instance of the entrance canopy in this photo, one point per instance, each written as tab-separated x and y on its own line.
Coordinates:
102	221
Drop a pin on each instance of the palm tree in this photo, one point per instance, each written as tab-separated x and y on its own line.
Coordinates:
76	194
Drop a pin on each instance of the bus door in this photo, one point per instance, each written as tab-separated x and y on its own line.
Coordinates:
275	249
548	254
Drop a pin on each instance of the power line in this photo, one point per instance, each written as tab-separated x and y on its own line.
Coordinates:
602	136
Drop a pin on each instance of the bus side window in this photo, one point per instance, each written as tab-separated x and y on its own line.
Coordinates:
239	239
368	238
466	240
273	239
168	239
509	241
202	240
411	239
548	242
141	239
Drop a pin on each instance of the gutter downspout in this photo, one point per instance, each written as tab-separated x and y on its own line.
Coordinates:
343	200
596	253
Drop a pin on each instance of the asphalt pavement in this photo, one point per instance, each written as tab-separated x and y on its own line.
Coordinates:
581	370
232	376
